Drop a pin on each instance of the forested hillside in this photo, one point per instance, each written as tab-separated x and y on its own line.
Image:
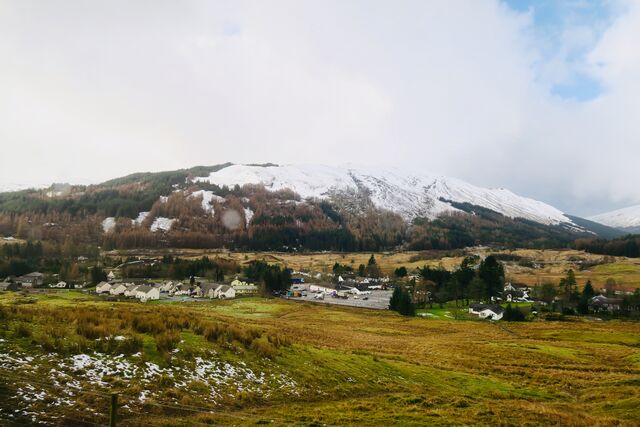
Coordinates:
176	209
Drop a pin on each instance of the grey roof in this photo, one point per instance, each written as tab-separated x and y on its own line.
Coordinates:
144	288
223	288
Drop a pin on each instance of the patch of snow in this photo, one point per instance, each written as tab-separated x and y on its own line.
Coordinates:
108	224
207	198
248	214
162	223
141	217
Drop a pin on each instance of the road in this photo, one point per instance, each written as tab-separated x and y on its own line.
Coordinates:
378	300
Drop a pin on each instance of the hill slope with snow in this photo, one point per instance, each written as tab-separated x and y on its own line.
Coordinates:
410	194
626	218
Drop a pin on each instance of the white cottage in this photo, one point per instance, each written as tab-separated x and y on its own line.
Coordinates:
225	292
145	293
131	290
486	311
103	287
118	289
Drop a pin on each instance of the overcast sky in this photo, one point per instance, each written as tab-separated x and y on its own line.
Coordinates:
541	97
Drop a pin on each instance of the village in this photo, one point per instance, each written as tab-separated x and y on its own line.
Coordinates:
145	279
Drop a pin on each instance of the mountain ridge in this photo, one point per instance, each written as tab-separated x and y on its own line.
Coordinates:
411	194
626	219
301	207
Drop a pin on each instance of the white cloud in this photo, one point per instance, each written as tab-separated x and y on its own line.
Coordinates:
96	90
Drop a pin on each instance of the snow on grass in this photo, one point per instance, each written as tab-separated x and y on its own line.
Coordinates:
162	223
108	224
70	377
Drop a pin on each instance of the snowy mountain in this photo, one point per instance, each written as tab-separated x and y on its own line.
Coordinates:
626	218
410	194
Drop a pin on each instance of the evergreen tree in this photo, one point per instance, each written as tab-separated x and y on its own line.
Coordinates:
98	275
491	271
512	314
400	272
568	289
394	302
477	289
585	297
588	291
405	306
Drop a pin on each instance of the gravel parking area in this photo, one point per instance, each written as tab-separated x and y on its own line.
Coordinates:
378	300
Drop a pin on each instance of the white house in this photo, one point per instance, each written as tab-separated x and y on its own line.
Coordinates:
486	311
182	289
60	284
145	293
166	287
131	290
118	289
208	290
103	287
224	292
111	276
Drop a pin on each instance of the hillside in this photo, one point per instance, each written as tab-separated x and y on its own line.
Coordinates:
303	207
627	219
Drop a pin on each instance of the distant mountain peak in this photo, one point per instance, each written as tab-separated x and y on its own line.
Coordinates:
625	218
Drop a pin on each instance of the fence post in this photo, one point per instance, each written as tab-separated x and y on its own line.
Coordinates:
114	410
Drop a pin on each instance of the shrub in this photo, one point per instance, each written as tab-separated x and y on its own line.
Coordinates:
263	347
148	323
167	341
21	330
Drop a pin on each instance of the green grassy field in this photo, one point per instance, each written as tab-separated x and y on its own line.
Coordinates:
257	361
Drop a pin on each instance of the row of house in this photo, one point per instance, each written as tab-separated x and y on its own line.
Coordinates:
141	292
196	290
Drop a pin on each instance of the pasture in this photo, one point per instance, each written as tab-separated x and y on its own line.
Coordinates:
269	361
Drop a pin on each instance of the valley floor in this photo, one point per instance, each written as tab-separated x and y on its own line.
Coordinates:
533	267
270	361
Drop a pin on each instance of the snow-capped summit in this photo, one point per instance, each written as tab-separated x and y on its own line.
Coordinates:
410	194
626	218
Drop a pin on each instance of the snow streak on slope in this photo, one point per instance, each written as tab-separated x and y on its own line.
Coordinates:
621	218
161	223
108	224
410	194
207	198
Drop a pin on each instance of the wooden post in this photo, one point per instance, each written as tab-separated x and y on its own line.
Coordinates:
114	410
